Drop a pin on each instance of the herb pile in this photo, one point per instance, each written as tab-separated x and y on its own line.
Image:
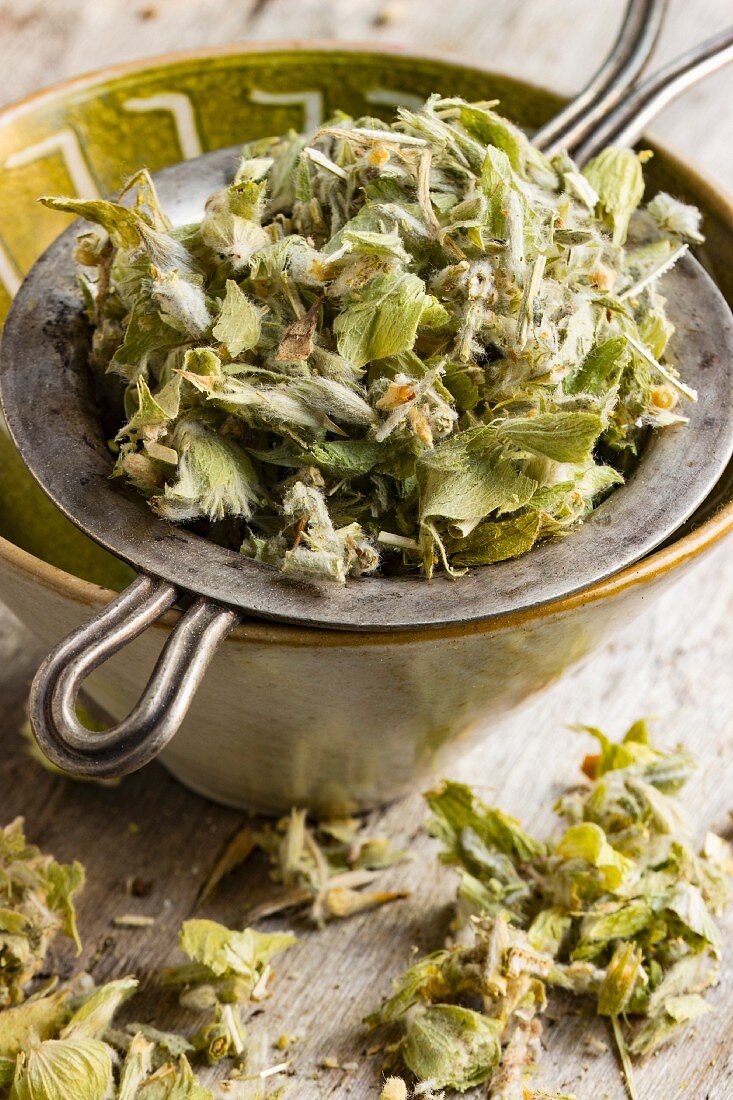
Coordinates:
387	347
228	970
618	913
326	868
59	1042
36	905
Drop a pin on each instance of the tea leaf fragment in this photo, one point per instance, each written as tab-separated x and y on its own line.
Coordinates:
239	322
223	952
60	1068
229	970
61	1043
452	1047
616	177
36	904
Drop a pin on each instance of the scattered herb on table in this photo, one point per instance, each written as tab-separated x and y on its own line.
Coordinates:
618	912
59	1042
36	905
228	970
327	867
388	346
324	867
62	1044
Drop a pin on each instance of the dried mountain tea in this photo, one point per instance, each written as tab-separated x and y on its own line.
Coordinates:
328	867
618	912
61	1045
228	970
387	347
36	904
324	867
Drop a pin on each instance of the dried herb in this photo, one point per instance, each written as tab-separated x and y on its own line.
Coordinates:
388	344
325	867
36	904
394	1089
618	911
61	1045
229	970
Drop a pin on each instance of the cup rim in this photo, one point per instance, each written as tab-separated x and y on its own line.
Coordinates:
654	566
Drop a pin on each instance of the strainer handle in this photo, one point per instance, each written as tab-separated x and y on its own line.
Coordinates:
139	737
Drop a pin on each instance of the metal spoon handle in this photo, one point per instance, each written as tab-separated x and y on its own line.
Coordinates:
625	62
627	121
140	736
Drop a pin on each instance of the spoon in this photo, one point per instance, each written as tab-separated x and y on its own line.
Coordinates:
43	366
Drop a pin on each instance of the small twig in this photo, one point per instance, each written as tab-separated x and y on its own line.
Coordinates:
623	1053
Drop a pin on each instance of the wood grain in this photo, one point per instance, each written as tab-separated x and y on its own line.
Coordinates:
676	663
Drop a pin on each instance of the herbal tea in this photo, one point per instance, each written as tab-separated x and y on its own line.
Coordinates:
388	347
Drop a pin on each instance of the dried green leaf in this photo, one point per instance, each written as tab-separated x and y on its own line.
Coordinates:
214	476
622	975
460	483
175	1081
41	1018
170	1042
382	319
492	542
62	1068
456	808
94	1016
587	843
616	176
238	324
549	929
36	904
601	366
561	436
676	1014
135	1068
223	951
452	1047
491	129
673	216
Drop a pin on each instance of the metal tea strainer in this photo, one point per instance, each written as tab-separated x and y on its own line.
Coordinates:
52	414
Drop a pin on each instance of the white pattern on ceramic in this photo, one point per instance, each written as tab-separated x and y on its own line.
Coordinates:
310	101
389	97
67	144
184	119
9	277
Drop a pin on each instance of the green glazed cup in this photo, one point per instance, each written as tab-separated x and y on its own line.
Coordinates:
335	721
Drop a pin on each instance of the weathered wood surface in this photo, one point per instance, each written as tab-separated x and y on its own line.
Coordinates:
676	663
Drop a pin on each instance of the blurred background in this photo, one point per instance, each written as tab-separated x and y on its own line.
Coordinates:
553	42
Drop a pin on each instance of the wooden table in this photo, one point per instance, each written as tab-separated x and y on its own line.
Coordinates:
675	663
